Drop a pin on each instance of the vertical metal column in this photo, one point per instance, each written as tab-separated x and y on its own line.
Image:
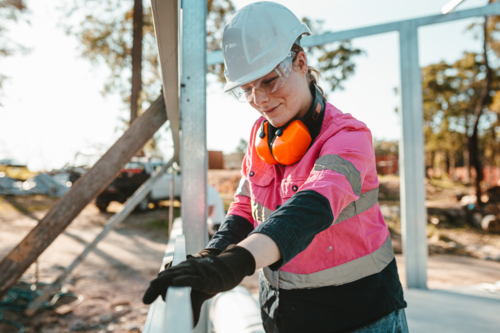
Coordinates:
194	161
411	161
193	125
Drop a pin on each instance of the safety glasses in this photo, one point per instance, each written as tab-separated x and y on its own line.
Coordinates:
269	83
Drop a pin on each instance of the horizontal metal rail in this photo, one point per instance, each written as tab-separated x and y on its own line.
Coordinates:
215	57
175	315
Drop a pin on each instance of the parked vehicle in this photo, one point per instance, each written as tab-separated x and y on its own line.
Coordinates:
131	177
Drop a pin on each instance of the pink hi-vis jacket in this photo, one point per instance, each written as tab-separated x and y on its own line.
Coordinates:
340	165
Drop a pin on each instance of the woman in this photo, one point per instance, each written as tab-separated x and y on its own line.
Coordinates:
306	210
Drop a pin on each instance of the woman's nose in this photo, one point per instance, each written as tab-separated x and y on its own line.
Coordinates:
259	97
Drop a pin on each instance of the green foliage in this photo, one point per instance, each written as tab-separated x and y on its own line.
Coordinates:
219	13
383	147
450	93
105	31
10	10
335	61
242	146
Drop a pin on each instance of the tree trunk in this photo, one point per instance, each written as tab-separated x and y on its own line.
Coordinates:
433	164
136	61
466	158
451	164
474	139
493	168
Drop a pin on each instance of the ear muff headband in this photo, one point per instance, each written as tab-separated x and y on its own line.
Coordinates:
288	145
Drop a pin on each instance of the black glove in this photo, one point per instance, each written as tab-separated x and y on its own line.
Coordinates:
206	276
197	297
211	251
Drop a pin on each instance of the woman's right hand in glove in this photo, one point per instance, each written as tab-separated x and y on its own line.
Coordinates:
206	276
197	297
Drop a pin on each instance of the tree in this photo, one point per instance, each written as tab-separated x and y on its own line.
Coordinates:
110	34
459	106
242	146
382	147
335	61
9	11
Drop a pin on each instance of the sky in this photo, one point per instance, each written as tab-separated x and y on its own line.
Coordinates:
52	106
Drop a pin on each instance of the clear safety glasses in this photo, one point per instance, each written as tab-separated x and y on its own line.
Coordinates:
269	83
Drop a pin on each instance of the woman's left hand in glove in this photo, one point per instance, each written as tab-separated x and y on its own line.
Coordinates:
208	276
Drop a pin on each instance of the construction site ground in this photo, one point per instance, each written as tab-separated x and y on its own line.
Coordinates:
114	277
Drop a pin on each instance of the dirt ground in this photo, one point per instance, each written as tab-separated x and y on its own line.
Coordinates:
113	278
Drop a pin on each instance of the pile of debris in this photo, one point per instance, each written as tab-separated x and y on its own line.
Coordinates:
487	217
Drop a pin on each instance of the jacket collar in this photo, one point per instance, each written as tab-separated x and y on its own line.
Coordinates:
316	113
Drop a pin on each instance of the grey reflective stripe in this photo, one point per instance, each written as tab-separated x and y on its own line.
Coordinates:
243	188
259	212
349	272
366	201
342	166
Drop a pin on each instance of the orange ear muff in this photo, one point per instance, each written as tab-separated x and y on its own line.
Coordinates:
262	145
291	144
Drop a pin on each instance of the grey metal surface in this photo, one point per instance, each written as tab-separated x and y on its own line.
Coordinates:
235	311
171	203
215	57
411	160
457	310
178	313
174	315
194	162
193	116
167	30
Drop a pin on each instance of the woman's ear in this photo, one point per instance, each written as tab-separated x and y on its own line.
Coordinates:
301	62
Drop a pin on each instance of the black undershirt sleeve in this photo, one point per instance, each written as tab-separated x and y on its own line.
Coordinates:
233	230
294	225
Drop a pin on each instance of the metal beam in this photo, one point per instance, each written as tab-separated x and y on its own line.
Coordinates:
193	118
174	315
166	23
194	160
411	161
178	313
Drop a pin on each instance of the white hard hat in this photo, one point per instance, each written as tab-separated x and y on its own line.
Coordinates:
256	39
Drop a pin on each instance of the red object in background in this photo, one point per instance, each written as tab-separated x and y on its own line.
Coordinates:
387	164
132	171
215	159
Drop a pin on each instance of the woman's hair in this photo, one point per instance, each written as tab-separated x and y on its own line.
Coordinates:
312	73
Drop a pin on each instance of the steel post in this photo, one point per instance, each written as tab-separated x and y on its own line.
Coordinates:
194	162
193	120
411	161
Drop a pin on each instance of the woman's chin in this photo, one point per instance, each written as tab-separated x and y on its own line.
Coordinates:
277	122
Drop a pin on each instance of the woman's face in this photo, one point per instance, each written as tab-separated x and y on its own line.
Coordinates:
293	99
